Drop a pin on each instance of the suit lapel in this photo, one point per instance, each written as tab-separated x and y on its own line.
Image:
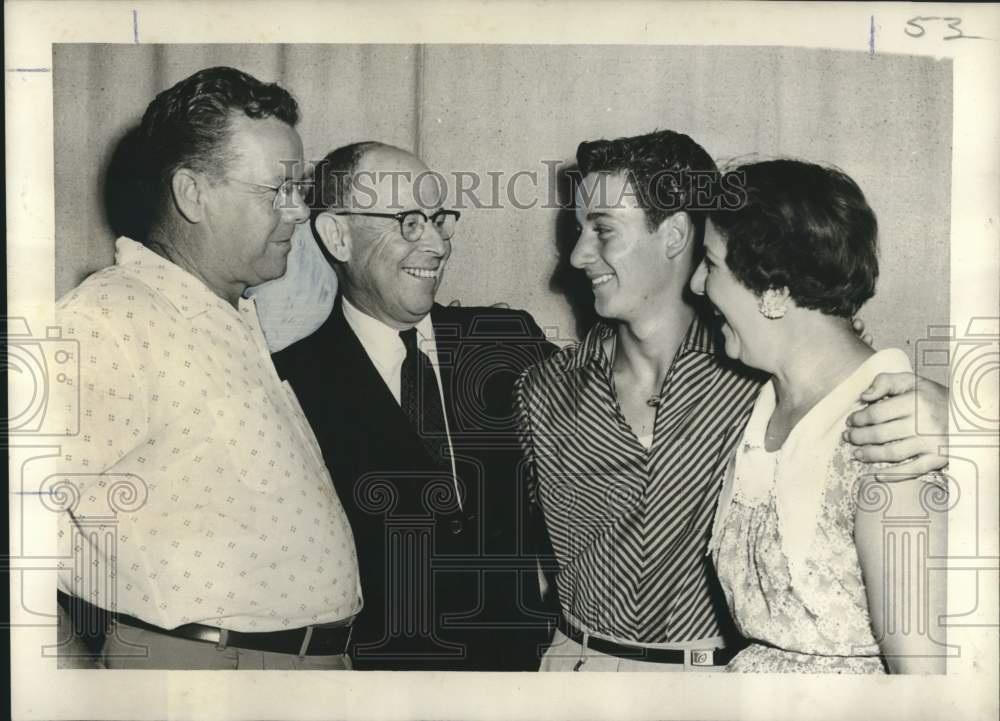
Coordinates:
359	378
373	418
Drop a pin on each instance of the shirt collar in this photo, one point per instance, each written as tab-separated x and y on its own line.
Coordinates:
425	329
184	291
380	340
699	338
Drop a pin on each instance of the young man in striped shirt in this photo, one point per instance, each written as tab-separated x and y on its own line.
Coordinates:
627	434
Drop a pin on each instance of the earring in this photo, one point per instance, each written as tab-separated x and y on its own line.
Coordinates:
774	303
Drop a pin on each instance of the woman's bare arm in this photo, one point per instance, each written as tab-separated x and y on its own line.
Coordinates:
907	602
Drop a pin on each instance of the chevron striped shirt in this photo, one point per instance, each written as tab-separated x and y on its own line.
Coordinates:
629	526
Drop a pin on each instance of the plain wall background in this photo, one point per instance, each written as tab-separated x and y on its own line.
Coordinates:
885	120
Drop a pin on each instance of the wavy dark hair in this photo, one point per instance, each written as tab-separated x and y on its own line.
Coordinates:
660	166
188	125
806	227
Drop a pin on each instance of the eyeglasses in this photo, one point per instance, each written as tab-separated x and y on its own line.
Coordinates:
413	222
284	194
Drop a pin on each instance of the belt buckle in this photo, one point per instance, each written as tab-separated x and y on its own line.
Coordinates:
306	639
703	657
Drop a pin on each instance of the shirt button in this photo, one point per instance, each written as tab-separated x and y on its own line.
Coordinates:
456	526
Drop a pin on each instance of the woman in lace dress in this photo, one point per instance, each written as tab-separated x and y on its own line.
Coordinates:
800	532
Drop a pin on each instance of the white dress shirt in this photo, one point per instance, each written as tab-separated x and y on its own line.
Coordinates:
386	350
201	494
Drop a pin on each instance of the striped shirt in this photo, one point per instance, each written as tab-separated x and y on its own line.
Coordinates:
630	525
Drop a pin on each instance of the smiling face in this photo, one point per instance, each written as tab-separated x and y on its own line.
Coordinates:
249	239
743	326
626	263
387	276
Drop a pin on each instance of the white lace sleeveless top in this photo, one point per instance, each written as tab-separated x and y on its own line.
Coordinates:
783	541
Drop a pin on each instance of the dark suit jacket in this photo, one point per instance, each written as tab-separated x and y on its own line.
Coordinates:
444	588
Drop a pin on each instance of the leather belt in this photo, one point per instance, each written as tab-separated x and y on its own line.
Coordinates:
320	640
699	657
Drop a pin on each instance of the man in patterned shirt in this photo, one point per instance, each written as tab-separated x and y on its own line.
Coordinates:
199	513
627	434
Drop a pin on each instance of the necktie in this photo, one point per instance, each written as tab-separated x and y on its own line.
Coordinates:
420	400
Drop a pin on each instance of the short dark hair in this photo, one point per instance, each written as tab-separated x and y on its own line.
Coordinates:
659	166
805	227
188	125
333	178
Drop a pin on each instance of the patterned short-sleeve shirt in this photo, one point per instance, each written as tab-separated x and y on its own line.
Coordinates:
197	491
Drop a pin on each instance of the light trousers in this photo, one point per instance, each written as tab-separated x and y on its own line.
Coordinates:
127	647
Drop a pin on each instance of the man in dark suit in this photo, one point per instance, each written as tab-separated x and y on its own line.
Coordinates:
412	405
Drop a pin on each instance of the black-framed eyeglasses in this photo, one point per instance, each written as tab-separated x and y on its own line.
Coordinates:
413	222
284	194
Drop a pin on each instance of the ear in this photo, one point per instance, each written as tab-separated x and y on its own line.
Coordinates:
677	232
335	233
188	190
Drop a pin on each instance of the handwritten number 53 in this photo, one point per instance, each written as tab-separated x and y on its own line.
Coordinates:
915	29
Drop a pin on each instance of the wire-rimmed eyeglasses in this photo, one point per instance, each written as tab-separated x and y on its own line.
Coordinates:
284	194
